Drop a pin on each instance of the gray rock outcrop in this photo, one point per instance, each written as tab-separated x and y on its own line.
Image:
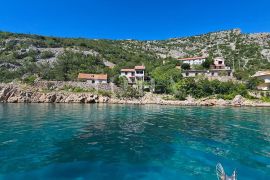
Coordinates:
16	94
238	101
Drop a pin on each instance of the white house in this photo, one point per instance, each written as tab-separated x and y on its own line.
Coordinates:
93	78
193	61
265	76
134	75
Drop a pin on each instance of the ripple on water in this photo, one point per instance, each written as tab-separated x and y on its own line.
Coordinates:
137	142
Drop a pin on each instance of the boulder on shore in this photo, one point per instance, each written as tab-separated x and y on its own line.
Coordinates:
238	100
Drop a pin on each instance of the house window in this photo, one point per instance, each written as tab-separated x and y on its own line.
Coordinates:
126	73
229	74
219	62
212	73
196	74
187	74
132	73
93	81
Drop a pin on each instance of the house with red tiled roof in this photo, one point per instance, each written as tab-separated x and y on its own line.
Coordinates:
93	78
133	75
217	69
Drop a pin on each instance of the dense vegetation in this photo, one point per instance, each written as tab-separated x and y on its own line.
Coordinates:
22	54
26	57
199	88
168	80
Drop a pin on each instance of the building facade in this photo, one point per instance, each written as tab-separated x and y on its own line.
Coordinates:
93	78
207	73
219	63
265	77
193	61
134	75
217	69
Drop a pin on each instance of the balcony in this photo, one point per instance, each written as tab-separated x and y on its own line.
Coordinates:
139	75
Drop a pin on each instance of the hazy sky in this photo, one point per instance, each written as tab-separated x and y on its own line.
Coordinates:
132	19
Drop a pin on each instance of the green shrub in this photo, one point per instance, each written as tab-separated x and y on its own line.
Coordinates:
30	79
207	63
46	55
130	92
253	82
185	66
205	88
266	99
164	77
180	95
76	89
105	93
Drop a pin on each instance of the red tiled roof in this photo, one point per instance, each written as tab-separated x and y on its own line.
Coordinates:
127	70
139	67
93	76
133	70
189	59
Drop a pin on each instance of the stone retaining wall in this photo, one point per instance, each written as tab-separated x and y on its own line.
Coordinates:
84	85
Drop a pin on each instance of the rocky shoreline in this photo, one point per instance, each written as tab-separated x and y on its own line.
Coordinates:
10	93
238	101
19	94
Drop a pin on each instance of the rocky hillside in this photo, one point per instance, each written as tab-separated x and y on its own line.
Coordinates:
245	51
22	54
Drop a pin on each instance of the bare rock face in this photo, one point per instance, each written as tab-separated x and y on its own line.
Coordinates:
41	98
6	92
15	94
222	102
238	101
72	98
59	98
50	98
13	100
209	102
103	99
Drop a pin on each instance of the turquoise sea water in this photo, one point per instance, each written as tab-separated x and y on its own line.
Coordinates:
72	141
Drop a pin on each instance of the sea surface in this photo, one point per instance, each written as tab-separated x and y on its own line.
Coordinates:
73	141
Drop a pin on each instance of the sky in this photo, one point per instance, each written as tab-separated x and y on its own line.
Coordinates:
132	19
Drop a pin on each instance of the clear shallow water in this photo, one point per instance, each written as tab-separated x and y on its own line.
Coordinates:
72	141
